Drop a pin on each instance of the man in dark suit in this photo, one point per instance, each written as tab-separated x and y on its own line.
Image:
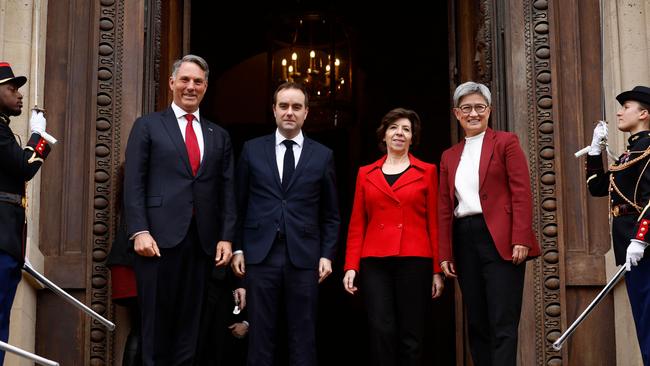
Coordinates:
180	211
288	229
17	166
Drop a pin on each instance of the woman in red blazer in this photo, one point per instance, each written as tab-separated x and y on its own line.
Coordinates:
393	243
485	210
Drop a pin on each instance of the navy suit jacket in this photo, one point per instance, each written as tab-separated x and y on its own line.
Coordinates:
309	206
161	194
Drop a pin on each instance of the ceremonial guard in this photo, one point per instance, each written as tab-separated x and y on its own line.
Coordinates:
628	185
17	166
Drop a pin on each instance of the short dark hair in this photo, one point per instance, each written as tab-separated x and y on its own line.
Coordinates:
394	115
291	85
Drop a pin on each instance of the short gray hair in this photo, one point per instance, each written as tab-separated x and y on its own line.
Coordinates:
472	87
194	59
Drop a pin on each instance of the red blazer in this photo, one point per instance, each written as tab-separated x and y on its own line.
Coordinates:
396	221
504	189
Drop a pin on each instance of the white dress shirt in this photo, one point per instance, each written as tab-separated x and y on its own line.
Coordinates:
466	181
196	125
280	149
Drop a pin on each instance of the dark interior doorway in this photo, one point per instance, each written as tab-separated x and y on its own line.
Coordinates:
399	59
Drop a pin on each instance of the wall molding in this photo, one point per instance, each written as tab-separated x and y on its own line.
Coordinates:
108	138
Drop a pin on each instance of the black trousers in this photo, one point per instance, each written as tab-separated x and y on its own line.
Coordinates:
492	290
275	286
217	316
170	292
638	290
397	296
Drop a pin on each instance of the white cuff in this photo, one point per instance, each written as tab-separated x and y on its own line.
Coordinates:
138	233
643	243
595	150
49	138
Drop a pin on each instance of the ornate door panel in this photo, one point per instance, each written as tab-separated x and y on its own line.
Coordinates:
66	208
92	95
576	66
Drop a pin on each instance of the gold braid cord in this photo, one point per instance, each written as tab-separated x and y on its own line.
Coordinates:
615	188
627	164
618	167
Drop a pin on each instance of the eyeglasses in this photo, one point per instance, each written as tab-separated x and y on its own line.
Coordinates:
467	108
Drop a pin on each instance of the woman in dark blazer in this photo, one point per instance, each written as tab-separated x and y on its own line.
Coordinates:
485	220
393	244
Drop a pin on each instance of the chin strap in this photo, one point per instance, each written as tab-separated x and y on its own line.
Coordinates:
4	118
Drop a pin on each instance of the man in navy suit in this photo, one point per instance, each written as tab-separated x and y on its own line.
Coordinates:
181	212
287	230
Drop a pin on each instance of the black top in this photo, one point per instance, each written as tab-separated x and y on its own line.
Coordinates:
392	178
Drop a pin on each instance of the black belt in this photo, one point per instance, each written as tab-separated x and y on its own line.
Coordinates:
12	198
468	218
624	209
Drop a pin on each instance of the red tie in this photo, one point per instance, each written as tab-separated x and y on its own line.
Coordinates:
192	144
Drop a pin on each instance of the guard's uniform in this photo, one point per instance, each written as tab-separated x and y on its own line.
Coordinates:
628	184
17	166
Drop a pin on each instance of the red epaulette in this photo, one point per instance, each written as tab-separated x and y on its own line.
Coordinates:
643	229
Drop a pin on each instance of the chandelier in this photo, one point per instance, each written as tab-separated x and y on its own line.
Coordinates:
313	49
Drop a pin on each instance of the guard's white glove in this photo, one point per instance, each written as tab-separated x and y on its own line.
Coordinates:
634	253
600	134
37	125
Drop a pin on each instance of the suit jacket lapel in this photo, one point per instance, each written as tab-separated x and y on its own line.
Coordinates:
207	145
269	151
411	175
454	161
486	154
377	179
171	126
